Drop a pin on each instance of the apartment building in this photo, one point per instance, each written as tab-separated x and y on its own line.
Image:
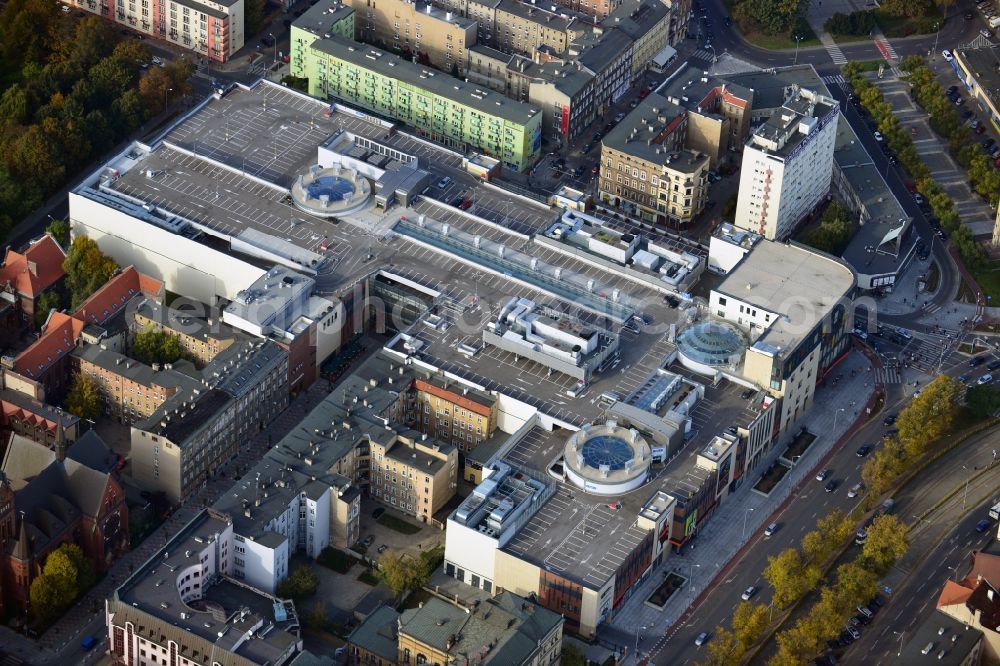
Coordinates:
326	17
199	340
507	73
25	276
647	23
43	369
438	106
564	90
461	415
518	632
788	165
528	28
185	605
208	28
646	169
36	420
423	32
415	475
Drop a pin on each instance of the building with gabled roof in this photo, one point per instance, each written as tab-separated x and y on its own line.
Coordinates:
48	499
29	274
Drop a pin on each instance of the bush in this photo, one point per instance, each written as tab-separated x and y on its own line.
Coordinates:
302	582
331	558
856	23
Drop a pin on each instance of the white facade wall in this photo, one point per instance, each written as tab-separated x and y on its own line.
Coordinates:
318	523
752	318
263	567
724	256
796	184
470	552
186	267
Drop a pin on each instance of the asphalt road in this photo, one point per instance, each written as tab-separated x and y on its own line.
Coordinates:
801	515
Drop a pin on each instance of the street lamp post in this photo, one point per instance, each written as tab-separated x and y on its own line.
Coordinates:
745	514
274	41
937	33
637	642
166	94
900	634
798	38
836	414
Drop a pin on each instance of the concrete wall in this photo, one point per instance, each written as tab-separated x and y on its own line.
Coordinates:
472	552
164	476
185	267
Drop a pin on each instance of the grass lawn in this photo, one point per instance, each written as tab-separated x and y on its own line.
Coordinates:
771	477
671	584
774	42
397	524
901	26
331	558
870	65
849	39
989	281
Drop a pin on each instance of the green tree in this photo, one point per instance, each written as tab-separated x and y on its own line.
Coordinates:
723	650
85	575
301	582
982	400
253	17
879	472
886	543
60	231
84	398
402	573
317	617
154	346
749	622
855	584
87	269
834	231
59	583
48	301
572	655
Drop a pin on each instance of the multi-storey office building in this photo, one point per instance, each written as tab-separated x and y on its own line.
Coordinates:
209	28
441	107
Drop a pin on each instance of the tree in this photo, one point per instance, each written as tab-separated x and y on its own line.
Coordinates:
84	398
60	231
834	231
87	269
572	655
855	584
789	576
887	542
982	400
48	301
59	583
879	472
317	617
907	8
154	346
253	17
749	622
154	88
930	415
402	573
302	582
85	576
724	649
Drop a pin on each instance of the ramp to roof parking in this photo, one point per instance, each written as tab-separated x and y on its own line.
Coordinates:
570	286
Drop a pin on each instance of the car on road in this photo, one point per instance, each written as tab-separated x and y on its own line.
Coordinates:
620	116
919	199
856	490
983	525
980	129
985	33
985	379
976	361
368	541
877	135
994	365
890	419
701	639
771	529
88	642
382	549
444	182
946	54
923	253
863	450
823	474
831	486
747	593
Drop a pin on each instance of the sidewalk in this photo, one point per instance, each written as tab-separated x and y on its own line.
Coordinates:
723	535
65	633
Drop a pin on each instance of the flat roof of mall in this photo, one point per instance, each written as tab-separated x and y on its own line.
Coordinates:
797	283
581	536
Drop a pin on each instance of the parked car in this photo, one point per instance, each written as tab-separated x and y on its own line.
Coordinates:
919	199
831	486
864	450
985	379
985	33
444	182
946	54
771	529
749	592
976	361
980	129
855	634
368	540
993	365
890	419
466	204
846	638
856	490
382	549
877	135
823	474
861	536
966	114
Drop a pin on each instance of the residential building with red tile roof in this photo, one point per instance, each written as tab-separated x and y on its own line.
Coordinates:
975	601
42	370
30	274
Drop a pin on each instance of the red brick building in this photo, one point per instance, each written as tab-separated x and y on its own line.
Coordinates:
47	500
30	274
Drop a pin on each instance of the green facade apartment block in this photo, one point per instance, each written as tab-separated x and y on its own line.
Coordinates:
324	19
438	106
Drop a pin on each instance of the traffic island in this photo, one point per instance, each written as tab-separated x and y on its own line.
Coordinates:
659	598
771	477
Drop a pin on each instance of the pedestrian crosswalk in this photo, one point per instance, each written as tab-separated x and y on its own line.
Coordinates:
887	375
836	55
703	54
834	79
931	307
